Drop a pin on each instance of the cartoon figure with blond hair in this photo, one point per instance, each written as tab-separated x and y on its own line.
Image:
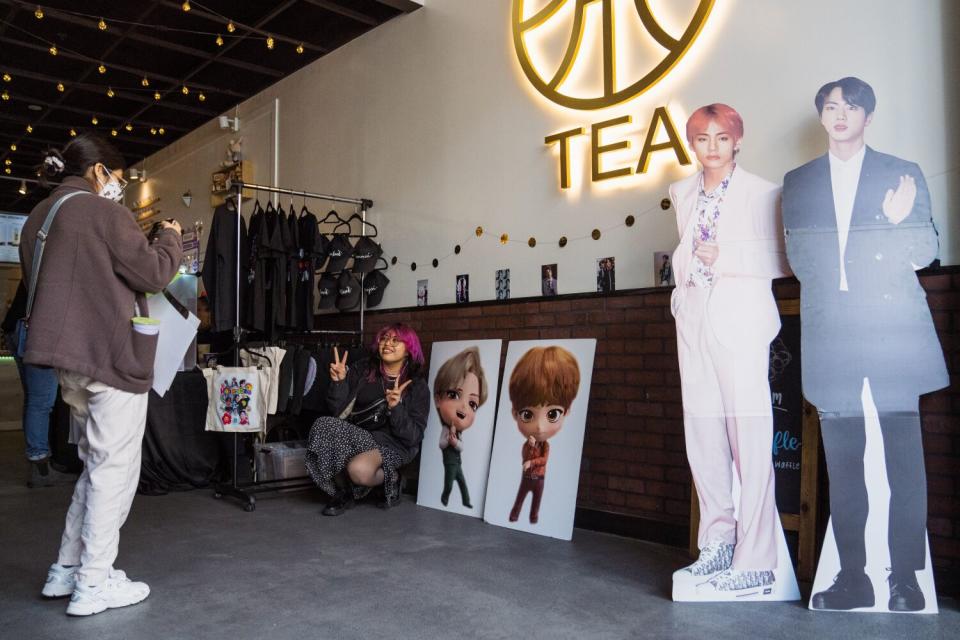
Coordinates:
543	385
458	392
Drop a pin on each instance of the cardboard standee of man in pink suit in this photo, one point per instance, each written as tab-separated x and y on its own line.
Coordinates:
731	247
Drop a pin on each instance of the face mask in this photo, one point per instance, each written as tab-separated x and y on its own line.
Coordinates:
113	190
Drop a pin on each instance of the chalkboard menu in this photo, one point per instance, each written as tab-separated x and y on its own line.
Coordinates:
786	395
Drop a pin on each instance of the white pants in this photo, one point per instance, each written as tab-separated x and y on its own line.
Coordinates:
727	422
107	426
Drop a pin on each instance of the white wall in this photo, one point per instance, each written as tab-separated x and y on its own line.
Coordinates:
431	117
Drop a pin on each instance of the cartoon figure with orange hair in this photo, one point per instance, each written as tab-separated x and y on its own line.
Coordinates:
543	385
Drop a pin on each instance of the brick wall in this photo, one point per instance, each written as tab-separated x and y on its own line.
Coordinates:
634	464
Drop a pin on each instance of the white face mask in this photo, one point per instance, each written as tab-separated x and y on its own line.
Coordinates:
112	190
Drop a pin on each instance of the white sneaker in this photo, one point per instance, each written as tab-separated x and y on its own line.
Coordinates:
60	581
717	556
116	591
739	584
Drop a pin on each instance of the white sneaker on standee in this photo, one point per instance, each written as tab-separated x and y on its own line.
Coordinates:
60	582
114	592
715	557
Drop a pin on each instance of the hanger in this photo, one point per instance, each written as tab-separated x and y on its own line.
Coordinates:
377	267
259	355
364	223
326	218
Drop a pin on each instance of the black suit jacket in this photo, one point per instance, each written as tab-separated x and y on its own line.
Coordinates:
881	327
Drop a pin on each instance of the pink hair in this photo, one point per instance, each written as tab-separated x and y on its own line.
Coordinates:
724	115
411	341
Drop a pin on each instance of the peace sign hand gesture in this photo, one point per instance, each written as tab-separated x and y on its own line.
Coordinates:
393	395
338	368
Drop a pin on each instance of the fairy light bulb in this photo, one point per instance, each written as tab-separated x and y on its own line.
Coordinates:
102	25
270	42
128	127
185	90
110	92
186	5
219	40
5	95
29	128
8	162
145	82
231	27
60	87
161	131
153	131
53	50
7	77
38	13
202	98
156	95
102	69
73	133
300	48
13	146
113	132
94	120
7	171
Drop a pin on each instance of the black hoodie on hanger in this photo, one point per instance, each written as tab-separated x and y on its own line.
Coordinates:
219	272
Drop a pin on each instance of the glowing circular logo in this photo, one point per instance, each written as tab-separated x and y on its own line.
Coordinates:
675	49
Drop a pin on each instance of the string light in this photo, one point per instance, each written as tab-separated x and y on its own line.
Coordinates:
161	131
300	48
60	87
94	120
186	5
7	171
38	13
113	132
29	128
13	146
53	50
128	127
219	40
5	95
270	42
73	133
185	90
8	162
102	69
153	131
102	25
156	95
231	27
145	82
7	77
202	97
110	92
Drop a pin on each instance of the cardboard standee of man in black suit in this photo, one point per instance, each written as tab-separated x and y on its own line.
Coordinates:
858	225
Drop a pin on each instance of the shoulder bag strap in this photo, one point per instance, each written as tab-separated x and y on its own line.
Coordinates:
38	250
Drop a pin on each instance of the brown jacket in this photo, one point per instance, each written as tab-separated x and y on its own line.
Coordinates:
96	263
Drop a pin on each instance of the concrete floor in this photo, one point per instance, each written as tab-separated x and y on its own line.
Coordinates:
285	571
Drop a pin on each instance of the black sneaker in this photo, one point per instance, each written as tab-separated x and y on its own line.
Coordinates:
43	475
905	593
850	590
338	505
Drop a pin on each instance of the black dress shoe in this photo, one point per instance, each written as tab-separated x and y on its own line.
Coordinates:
849	591
338	505
905	593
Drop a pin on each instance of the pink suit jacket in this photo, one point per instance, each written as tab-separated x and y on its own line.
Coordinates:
741	307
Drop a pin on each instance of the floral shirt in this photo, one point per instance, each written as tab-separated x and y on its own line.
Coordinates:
708	218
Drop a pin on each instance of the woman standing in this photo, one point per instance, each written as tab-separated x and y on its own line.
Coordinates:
89	302
731	246
383	409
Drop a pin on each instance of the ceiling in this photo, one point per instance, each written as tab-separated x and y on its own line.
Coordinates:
148	50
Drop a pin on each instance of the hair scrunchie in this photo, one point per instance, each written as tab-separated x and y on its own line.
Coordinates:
53	163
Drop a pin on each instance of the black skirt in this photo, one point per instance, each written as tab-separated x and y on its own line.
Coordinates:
333	443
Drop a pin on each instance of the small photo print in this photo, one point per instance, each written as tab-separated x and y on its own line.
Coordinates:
662	269
548	279
463	288
423	287
503	284
606	275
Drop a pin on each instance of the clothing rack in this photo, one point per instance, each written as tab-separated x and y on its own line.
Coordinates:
246	492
